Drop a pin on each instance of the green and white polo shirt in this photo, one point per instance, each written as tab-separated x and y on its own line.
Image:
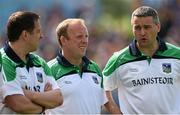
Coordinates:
1	83
1	80
32	75
81	89
145	84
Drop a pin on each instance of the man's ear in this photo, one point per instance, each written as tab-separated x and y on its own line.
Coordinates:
62	40
159	27
25	35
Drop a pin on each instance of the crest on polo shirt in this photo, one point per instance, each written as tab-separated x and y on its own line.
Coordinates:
39	77
166	67
95	79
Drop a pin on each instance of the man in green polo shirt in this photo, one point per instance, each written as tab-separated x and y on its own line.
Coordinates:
28	84
147	72
79	78
1	83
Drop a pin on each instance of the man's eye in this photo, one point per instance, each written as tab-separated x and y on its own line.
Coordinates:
147	27
137	28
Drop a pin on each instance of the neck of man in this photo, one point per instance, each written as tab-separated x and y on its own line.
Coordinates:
19	49
148	50
75	60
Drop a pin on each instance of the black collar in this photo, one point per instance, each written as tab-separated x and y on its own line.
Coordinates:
13	56
135	51
63	61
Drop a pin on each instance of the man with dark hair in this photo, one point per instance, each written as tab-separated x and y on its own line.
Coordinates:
28	84
147	72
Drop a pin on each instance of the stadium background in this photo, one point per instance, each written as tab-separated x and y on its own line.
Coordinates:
108	22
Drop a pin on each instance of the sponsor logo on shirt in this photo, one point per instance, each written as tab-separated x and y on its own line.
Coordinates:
95	79
133	69
153	80
39	77
67	82
23	77
166	67
34	88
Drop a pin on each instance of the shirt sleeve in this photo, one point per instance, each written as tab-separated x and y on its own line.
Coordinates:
11	87
110	82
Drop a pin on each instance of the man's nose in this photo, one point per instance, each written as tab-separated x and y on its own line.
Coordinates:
142	31
85	39
41	36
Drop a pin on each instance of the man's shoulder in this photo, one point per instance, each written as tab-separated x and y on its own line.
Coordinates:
172	46
37	60
52	63
5	58
172	51
123	54
117	59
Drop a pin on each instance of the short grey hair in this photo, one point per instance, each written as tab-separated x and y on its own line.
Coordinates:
145	11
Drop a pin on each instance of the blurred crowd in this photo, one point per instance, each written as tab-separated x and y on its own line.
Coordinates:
103	40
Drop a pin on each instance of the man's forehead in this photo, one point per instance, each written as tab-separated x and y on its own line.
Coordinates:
147	18
142	20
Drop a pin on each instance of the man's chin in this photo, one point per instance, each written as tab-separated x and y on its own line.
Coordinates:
33	50
83	54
